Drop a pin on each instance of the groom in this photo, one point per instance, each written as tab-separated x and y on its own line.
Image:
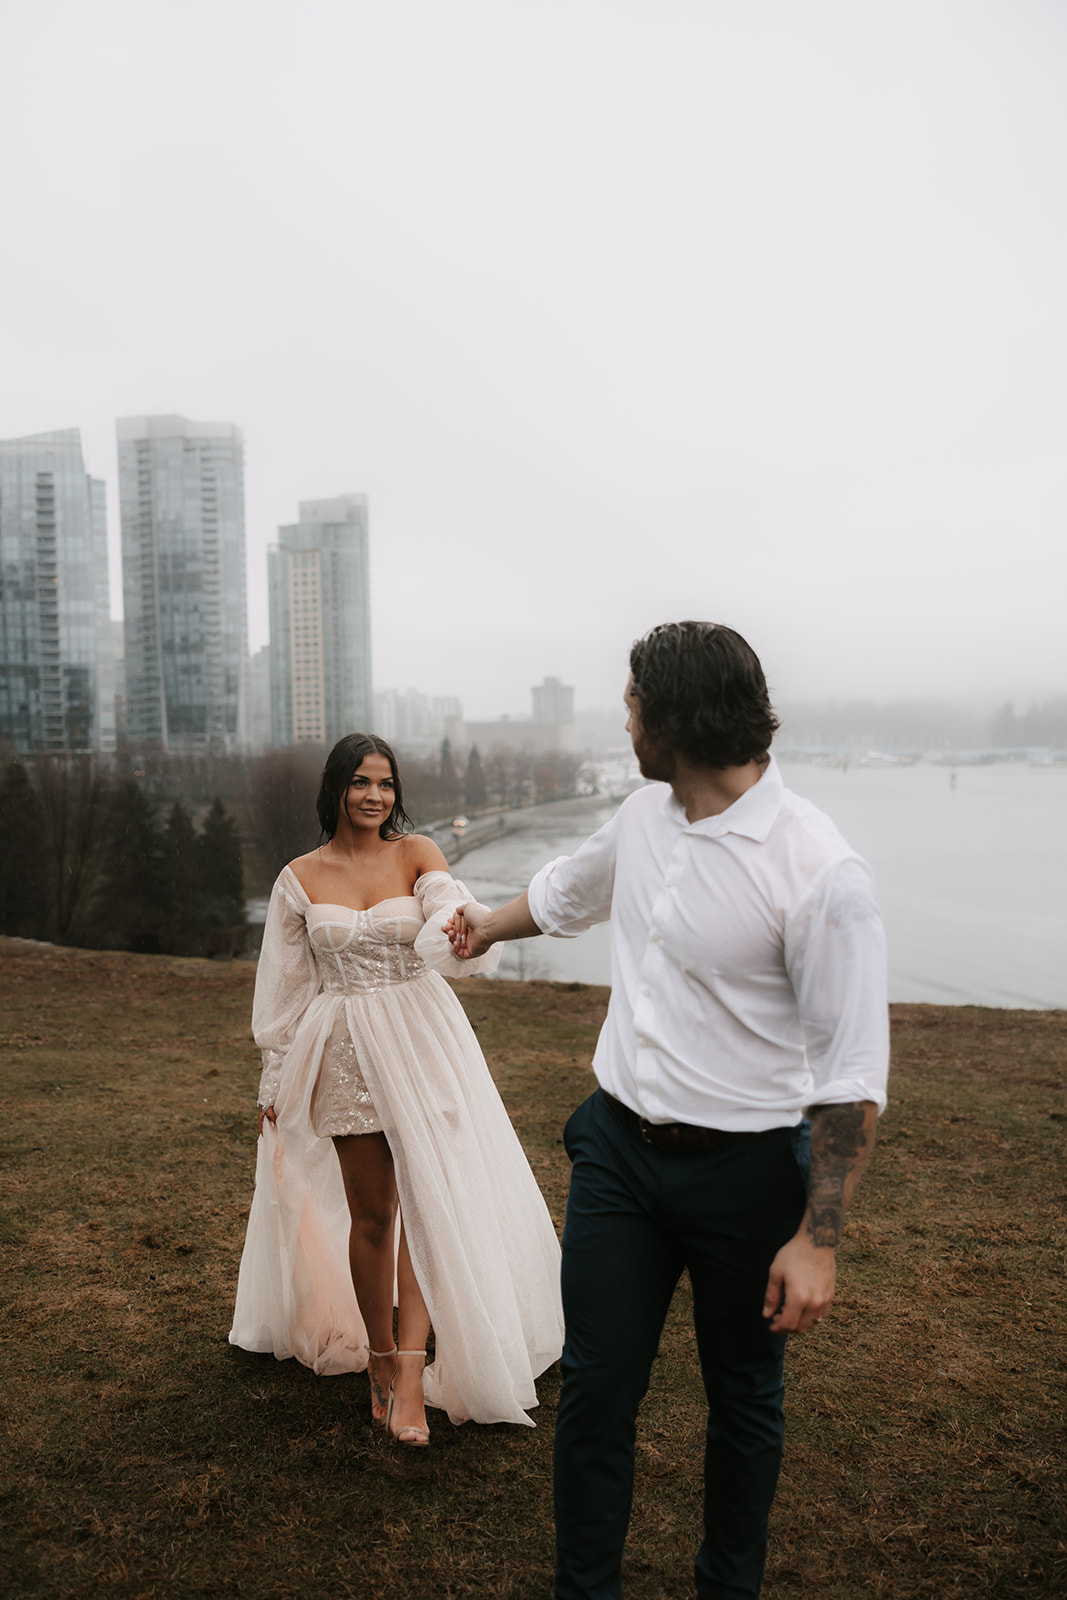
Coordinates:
748	988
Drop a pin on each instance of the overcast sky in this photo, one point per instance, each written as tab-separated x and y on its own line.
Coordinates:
617	310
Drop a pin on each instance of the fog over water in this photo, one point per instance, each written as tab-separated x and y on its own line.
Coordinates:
972	879
617	312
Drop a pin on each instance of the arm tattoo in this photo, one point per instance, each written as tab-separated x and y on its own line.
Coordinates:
838	1141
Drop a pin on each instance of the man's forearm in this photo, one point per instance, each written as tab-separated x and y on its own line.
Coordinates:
842	1138
512	921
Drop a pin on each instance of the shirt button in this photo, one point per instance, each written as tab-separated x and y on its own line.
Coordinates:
647	993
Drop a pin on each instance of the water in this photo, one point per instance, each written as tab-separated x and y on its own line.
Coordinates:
972	878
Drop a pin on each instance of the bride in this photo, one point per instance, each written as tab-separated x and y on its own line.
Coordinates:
425	1200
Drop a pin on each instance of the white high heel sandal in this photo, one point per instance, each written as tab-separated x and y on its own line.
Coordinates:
420	1436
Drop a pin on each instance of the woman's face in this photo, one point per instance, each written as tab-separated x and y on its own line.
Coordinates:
371	792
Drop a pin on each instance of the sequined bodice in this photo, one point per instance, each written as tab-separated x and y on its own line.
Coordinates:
357	952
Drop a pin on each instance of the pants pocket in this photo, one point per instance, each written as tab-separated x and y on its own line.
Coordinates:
574	1124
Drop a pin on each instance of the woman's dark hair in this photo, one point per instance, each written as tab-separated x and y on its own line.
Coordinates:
703	693
342	763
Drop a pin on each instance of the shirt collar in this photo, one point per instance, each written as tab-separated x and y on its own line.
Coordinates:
752	816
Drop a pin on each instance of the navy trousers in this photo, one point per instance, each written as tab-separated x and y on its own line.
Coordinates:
636	1218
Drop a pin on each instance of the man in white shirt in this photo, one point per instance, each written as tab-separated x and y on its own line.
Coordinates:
748	989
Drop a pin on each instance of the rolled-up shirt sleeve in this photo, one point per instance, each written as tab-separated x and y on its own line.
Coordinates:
836	957
574	892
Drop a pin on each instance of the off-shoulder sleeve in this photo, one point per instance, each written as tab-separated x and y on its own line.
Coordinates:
286	982
439	895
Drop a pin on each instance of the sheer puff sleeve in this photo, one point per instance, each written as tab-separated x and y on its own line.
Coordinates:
286	980
440	895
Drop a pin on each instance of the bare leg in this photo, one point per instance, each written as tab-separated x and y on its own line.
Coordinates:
370	1188
413	1327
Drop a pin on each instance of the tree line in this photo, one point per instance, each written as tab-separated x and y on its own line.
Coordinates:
922	725
279	802
159	856
87	857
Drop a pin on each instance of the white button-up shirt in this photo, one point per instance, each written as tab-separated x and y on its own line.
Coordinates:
748	970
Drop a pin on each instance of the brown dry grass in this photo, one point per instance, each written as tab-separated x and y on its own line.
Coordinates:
147	1458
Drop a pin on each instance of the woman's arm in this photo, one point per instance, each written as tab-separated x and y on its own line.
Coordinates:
286	984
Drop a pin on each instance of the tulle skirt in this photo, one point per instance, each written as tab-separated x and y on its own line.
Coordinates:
482	1243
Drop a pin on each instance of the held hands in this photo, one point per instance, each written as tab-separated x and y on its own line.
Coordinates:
465	931
800	1285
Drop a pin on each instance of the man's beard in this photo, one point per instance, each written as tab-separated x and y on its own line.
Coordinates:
655	759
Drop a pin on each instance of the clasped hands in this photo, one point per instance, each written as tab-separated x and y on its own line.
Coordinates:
464	930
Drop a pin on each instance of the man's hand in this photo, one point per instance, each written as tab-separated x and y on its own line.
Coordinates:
466	932
800	1285
474	929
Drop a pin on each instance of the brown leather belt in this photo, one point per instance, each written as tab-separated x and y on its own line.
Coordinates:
678	1136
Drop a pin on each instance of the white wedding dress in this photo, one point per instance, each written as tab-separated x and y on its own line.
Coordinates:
363	989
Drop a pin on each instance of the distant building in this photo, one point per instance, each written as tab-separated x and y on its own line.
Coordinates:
57	689
417	722
118	652
181	498
320	668
259	701
550	728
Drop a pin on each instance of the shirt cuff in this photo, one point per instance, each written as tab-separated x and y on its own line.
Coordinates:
270	1078
847	1091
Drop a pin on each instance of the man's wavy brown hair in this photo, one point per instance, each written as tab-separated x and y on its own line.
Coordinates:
702	693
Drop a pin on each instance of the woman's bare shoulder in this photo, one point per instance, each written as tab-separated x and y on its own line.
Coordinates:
304	867
423	854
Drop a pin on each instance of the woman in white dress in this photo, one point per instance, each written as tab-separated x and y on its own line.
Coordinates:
425	1199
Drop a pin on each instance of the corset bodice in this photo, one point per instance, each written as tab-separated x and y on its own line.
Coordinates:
357	952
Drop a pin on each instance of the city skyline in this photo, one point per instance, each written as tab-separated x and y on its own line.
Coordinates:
449	712
615	313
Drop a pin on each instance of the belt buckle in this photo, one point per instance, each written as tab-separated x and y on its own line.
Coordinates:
647	1129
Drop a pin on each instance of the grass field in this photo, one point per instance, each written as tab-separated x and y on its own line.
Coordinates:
146	1457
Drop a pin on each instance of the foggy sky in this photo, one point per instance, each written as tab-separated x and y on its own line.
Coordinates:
616	311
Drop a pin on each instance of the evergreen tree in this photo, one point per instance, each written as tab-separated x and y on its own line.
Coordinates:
448	782
133	905
221	868
184	887
23	866
474	790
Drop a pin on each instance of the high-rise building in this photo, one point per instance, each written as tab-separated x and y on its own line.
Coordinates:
553	705
320	624
259	738
57	689
181	500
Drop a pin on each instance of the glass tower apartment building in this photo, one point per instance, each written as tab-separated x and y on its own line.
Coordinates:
181	501
319	580
57	689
